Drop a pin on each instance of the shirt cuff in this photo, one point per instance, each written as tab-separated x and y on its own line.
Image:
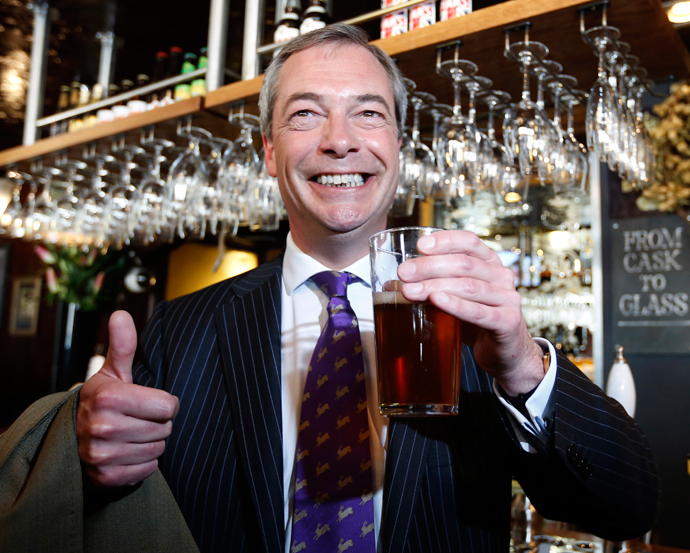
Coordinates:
538	406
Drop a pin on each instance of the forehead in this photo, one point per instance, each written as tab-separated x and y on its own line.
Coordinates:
334	69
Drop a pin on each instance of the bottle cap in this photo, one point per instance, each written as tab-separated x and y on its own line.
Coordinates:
176	50
161	54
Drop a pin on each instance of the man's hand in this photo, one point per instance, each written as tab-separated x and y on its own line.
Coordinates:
122	427
464	277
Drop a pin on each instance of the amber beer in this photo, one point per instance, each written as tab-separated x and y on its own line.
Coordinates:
418	355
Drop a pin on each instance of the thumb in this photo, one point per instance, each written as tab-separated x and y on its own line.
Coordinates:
123	345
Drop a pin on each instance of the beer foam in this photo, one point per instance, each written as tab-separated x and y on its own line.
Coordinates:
393	298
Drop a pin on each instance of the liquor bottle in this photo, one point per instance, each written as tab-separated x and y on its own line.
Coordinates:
183	91
199	85
620	384
174	66
106	115
315	17
91	119
160	68
74	93
450	9
395	23
137	104
288	25
79	97
120	110
62	105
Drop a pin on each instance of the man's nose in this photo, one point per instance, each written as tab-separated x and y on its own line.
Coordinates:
339	137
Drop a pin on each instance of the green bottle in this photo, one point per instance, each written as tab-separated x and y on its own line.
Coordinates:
199	85
183	91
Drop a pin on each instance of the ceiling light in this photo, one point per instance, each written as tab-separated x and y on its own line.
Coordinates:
679	12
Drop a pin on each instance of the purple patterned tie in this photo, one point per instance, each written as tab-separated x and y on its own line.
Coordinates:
333	485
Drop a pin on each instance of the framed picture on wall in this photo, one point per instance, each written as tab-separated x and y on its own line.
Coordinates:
4	265
26	301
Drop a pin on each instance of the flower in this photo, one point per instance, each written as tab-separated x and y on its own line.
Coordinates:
45	255
670	134
78	276
51	280
98	282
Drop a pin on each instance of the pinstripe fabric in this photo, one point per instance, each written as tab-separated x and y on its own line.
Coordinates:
447	482
219	351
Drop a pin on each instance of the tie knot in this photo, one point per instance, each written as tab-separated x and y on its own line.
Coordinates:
334	283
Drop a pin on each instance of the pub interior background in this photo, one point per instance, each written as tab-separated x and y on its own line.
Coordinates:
580	288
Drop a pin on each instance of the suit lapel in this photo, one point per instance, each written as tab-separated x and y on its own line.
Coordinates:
405	464
249	338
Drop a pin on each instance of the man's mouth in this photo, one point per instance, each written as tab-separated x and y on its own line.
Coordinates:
349	180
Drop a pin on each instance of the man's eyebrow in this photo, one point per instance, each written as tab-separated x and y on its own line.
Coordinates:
309	96
360	99
376	98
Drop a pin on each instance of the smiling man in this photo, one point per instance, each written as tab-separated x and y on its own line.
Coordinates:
215	399
333	144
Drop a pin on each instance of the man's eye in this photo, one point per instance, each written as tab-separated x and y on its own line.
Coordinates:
302	113
371	113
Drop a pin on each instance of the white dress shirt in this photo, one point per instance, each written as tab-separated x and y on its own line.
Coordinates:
303	316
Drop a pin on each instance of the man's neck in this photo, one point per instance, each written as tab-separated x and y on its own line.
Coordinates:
336	251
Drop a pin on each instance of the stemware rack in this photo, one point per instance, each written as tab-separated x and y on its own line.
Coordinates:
483	35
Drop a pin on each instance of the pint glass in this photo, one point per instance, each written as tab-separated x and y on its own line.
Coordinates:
418	346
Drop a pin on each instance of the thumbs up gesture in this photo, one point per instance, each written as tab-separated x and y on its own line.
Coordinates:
122	427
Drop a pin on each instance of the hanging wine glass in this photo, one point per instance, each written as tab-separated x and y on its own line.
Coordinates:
117	211
147	208
601	121
476	85
405	195
419	161
439	185
405	192
212	198
509	185
11	217
644	155
526	130
570	162
37	220
187	177
265	204
549	166
239	167
616	66
459	139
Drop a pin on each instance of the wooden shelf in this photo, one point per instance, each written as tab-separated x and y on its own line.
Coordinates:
104	130
556	23
242	90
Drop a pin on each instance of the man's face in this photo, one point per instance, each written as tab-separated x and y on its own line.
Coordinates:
335	143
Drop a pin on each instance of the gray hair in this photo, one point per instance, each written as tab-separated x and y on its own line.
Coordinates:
335	34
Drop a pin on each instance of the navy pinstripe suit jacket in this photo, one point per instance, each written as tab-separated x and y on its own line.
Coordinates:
447	481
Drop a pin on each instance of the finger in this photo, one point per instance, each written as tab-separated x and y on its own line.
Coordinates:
470	289
121	429
446	266
106	454
122	475
456	241
501	320
123	345
132	400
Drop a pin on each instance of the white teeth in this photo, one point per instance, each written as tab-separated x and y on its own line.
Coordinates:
350	180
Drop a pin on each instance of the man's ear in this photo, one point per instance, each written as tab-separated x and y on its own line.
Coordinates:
269	158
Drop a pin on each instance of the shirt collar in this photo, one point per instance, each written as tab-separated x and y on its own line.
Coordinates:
298	267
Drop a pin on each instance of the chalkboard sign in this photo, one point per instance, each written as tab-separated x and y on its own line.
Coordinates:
651	284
